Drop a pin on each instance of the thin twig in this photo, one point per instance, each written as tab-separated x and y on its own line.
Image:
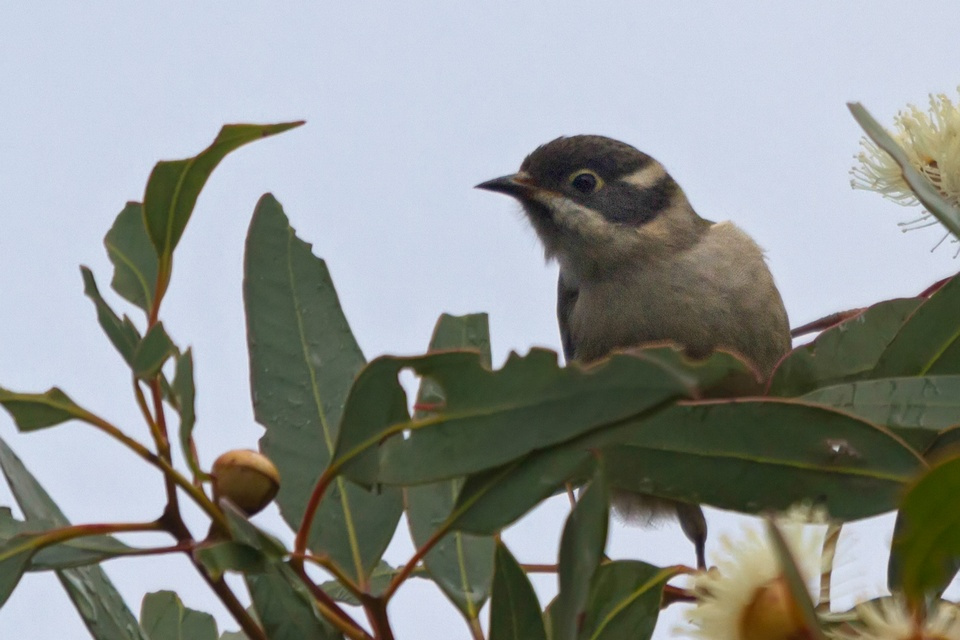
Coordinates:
825	322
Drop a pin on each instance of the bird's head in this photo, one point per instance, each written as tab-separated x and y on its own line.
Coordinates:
596	202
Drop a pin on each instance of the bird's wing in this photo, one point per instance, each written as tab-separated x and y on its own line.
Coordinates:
566	298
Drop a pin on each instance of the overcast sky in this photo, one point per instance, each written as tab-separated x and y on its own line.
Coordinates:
408	105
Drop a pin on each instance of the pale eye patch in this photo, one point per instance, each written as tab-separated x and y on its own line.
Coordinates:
647	176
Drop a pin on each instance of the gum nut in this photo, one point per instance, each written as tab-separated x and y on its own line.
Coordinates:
247	478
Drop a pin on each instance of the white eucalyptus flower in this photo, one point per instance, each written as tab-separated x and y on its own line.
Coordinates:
889	619
745	596
931	140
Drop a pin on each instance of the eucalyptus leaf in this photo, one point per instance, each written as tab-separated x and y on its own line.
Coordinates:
929	341
915	408
927	540
491	418
134	258
582	545
123	335
185	392
285	607
460	564
303	359
174	186
514	608
624	600
163	617
753	455
847	351
152	352
33	411
98	602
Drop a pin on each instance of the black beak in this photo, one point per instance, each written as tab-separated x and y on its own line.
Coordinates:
518	185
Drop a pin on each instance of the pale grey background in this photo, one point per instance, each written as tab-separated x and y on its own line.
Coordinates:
410	104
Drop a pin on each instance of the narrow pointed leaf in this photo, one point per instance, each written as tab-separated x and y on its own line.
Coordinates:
927	542
927	194
844	352
72	553
32	411
15	557
185	392
285	607
173	186
581	549
152	352
303	359
929	341
624	601
99	604
491	418
379	580
220	557
133	256
121	333
460	564
752	455
163	617
514	607
915	408
491	500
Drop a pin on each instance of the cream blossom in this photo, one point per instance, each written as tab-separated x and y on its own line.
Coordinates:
889	619
931	141
745	595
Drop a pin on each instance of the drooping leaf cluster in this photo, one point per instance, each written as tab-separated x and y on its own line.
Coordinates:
851	422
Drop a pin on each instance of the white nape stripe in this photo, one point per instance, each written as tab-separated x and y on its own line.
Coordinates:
647	176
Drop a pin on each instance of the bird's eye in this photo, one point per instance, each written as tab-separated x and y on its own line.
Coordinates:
585	181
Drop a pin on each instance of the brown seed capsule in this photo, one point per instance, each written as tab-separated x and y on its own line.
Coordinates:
247	478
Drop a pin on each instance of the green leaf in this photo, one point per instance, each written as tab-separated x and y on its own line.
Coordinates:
844	352
946	445
926	193
624	601
460	564
285	607
100	606
379	581
245	532
233	635
491	418
163	617
185	392
928	541
133	256
152	352
752	455
491	500
303	359
916	408
15	555
929	341
581	549
173	186
514	608
123	335
221	557
33	411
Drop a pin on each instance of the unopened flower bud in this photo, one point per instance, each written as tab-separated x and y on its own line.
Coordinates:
247	478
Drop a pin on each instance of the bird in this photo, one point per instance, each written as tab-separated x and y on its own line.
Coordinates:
637	266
